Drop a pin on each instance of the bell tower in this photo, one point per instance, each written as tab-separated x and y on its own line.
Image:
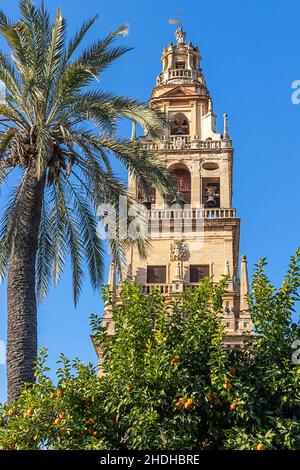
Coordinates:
201	160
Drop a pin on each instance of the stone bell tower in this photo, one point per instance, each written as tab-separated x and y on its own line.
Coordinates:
201	161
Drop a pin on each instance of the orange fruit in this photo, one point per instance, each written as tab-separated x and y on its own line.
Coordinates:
91	421
233	406
95	434
188	404
228	383
175	361
62	415
57	421
29	412
181	403
261	446
91	431
85	399
63	431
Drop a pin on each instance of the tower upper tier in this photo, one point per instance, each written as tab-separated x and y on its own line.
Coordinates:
181	63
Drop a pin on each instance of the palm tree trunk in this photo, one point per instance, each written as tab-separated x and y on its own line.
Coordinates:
21	289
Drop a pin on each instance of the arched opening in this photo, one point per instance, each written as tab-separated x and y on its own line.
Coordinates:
179	125
183	184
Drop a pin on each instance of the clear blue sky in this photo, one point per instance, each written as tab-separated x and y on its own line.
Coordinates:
251	55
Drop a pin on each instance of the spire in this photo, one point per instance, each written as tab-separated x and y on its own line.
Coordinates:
133	130
129	266
112	276
227	270
225	133
244	285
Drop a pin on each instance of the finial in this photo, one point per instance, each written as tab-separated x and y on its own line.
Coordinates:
133	130
227	269
209	105
225	133
112	276
244	286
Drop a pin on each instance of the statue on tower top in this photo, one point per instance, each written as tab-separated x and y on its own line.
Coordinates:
180	35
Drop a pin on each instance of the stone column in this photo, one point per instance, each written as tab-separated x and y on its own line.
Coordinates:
244	286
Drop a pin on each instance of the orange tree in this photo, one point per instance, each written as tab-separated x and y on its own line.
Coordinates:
168	382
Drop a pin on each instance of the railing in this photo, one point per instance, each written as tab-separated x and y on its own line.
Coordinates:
162	288
191	213
180	73
168	289
185	142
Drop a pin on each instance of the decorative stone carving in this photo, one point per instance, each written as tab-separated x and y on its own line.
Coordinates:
178	251
179	143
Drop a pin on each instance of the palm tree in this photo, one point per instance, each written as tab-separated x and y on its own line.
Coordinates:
59	135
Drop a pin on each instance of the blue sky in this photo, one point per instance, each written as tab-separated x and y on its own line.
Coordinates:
251	56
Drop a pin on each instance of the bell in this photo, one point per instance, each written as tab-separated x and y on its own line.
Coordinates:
147	203
178	199
211	202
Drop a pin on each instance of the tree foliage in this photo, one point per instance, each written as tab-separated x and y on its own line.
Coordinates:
168	382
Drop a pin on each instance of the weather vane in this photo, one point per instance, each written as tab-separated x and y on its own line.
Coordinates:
179	34
176	20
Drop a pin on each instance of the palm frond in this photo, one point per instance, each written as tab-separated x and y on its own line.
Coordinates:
76	41
57	227
88	225
56	47
13	214
3	259
4	21
73	240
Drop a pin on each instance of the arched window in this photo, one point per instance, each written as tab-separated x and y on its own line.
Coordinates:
183	183
179	125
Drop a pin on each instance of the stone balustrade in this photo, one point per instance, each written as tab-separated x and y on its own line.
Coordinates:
180	73
190	213
162	288
185	142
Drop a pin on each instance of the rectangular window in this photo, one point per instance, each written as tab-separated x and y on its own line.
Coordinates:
156	274
211	192
198	272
